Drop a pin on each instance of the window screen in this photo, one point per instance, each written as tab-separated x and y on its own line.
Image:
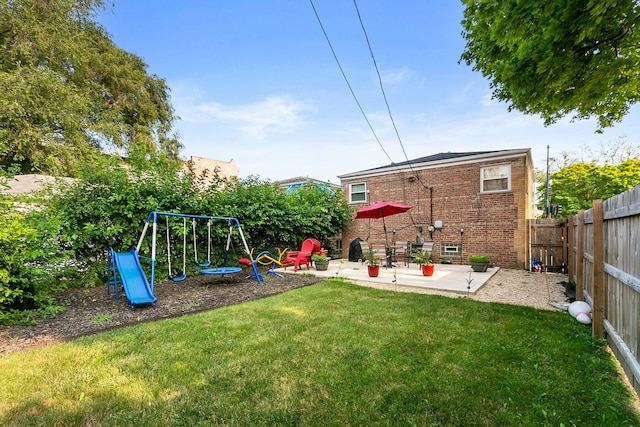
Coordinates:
496	178
357	193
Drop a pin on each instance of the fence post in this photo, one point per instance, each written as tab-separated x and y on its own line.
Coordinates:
598	270
571	268
565	242
580	257
528	254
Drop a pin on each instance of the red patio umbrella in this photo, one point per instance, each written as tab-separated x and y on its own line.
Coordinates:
380	210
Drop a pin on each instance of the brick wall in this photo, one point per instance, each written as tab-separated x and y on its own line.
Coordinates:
494	224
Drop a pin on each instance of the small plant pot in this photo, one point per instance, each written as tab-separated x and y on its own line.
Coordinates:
479	267
373	270
427	270
322	266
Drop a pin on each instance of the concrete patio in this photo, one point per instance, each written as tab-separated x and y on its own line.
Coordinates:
446	277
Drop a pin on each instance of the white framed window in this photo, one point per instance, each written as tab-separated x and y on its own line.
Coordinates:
450	249
495	178
357	193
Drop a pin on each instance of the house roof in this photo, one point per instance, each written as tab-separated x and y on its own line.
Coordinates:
303	180
439	160
292	183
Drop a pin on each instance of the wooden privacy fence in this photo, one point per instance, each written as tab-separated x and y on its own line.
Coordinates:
604	262
548	243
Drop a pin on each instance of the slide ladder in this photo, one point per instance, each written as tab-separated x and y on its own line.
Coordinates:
124	268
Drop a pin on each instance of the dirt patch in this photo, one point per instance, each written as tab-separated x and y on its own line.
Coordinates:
516	287
88	311
519	287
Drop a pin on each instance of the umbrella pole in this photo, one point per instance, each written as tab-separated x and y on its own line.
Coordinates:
384	227
386	244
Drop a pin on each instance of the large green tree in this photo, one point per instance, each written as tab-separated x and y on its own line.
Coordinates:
67	91
577	185
557	58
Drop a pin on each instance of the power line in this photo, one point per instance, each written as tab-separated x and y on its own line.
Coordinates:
384	94
381	87
326	36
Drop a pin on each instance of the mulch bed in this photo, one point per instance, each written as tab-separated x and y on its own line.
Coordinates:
91	310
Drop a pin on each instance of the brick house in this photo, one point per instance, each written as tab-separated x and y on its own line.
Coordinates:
467	203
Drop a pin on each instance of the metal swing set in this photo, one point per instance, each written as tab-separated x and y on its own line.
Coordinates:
233	224
125	268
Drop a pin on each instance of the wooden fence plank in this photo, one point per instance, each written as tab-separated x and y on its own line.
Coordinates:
571	246
627	279
598	270
547	242
580	258
604	250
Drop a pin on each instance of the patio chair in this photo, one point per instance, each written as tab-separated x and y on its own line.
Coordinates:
380	252
425	247
317	248
402	251
364	247
301	257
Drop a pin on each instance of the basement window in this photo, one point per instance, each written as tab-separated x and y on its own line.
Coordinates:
495	178
357	193
450	249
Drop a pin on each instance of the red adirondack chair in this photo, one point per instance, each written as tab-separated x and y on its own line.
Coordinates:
301	257
317	248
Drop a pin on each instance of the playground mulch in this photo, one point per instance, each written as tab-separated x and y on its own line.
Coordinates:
90	310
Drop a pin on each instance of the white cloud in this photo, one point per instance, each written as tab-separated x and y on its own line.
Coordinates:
488	101
396	76
273	115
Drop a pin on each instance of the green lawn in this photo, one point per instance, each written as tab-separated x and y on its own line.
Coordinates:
329	354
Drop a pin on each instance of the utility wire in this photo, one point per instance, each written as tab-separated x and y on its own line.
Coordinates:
349	84
386	101
384	95
335	56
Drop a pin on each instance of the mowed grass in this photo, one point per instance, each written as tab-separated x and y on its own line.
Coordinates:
332	354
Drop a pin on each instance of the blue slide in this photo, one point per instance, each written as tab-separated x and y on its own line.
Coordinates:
132	276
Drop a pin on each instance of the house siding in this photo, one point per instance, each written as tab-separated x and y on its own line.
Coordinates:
494	224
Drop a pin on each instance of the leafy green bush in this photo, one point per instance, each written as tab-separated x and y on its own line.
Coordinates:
30	262
273	218
64	243
108	205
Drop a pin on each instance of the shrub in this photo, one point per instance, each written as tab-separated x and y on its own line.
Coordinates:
30	261
478	258
65	243
108	205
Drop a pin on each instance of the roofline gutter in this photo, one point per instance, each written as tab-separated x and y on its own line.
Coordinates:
411	167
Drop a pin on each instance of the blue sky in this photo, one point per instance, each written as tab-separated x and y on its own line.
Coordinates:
255	81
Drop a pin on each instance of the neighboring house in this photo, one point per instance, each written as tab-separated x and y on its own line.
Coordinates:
200	165
21	184
292	184
467	203
24	184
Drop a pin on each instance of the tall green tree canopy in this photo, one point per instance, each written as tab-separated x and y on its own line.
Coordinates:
577	185
557	58
67	91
